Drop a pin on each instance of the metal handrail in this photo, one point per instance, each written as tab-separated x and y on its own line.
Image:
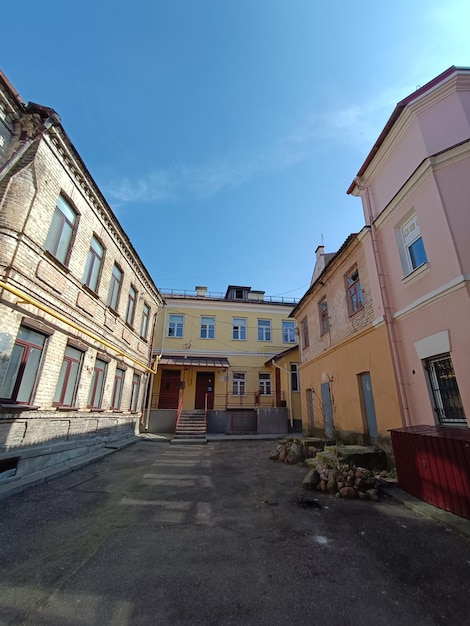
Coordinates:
180	408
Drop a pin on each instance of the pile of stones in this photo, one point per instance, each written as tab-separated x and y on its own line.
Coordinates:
342	479
344	482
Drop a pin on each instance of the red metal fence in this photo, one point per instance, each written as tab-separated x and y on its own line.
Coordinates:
433	464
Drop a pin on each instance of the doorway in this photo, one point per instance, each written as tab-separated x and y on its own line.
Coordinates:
371	431
169	389
204	385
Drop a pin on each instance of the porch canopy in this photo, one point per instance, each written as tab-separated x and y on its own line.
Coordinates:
194	361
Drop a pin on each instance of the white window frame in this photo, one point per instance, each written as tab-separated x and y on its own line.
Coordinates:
238	384
239	329
176	326
264	379
264	330
207	327
409	234
294	377
288	331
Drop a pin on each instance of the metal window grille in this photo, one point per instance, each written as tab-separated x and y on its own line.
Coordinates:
448	403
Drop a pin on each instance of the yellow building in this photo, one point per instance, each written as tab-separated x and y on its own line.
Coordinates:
216	353
347	380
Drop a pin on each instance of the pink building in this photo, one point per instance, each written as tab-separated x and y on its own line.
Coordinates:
415	190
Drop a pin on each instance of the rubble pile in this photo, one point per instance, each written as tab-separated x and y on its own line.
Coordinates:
344	483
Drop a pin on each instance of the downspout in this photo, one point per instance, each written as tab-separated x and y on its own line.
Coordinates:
388	317
148	401
42	307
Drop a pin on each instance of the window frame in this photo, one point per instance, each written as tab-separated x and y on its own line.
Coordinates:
304	332
115	286
239	328
264	329
131	305
410	235
118	385
445	391
176	325
294	377
288	331
145	321
354	295
91	274
323	314
98	380
207	328
135	391
61	234
68	385
238	384
264	384
23	365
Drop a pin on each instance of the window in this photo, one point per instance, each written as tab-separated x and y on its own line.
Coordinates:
68	377
415	254
323	312
144	324
239	328
93	264
294	377
265	384
445	391
130	310
238	384
23	368
117	388
176	326
135	393
60	234
97	384
207	327
115	288
264	330
304	330
288	332
354	292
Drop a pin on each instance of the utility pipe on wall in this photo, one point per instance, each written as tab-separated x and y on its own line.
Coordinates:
63	319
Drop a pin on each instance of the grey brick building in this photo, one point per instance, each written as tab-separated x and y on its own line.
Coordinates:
77	306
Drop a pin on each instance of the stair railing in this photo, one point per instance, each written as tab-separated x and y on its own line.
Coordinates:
179	410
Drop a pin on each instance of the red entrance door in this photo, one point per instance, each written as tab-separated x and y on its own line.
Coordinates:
169	389
204	385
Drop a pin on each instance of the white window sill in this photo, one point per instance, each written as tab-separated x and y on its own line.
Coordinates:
415	274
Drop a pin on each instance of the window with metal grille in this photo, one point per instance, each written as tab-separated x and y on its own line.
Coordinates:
445	391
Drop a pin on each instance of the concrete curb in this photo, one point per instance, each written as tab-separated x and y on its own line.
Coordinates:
455	523
18	484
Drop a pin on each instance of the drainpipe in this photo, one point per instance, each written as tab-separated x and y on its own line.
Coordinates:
388	317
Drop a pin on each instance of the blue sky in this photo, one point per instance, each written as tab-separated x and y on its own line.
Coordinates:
224	133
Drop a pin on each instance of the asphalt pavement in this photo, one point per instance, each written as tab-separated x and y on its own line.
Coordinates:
158	534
